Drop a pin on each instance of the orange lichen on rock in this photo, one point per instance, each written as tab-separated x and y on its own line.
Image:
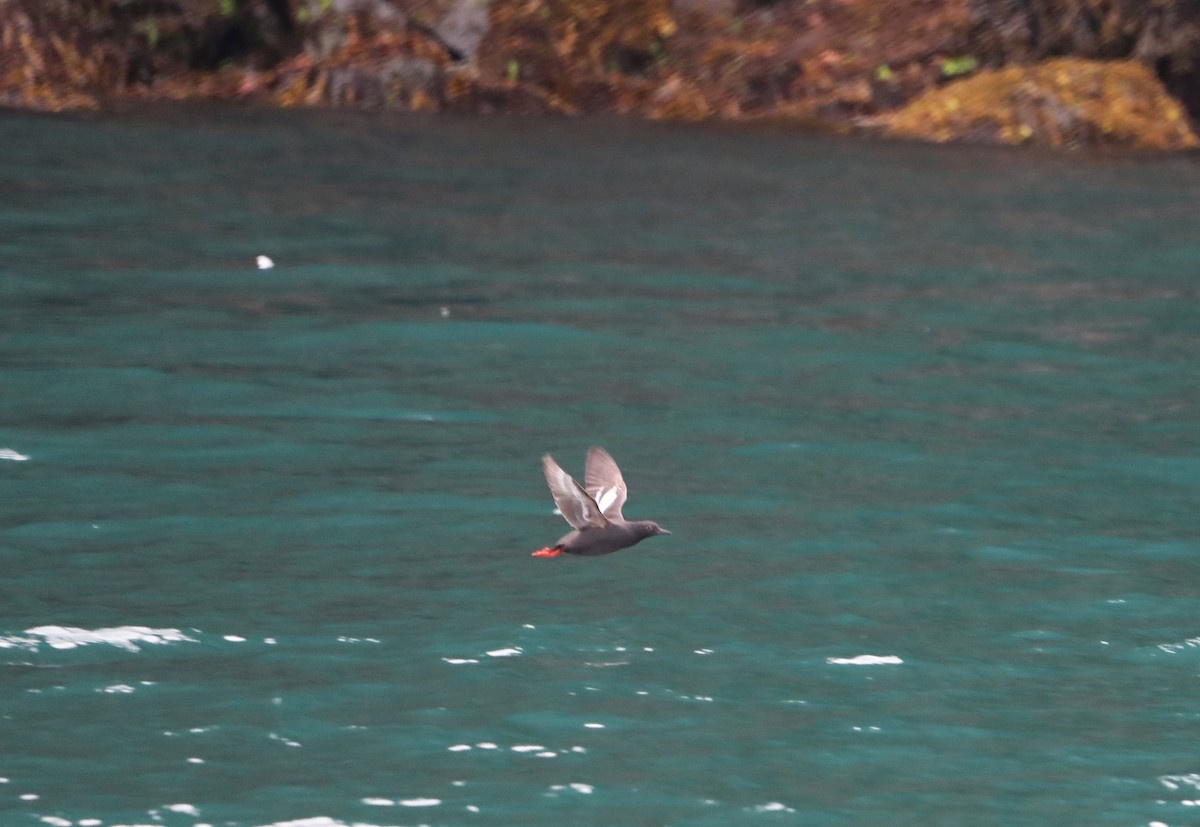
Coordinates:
1060	103
817	62
579	55
40	69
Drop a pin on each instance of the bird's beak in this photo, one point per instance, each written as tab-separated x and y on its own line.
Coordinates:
663	531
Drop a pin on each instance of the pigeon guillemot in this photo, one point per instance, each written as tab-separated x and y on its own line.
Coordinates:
594	512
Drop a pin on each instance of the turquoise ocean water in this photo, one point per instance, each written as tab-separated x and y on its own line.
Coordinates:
923	422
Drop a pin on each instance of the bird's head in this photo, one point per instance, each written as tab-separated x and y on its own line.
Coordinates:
649	528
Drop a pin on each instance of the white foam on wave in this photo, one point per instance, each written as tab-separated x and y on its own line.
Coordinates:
10	454
318	821
129	638
185	809
286	741
1174	782
504	653
1176	648
866	660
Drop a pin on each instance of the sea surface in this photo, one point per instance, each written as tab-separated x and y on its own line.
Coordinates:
924	423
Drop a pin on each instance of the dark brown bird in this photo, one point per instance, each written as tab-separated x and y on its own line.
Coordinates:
594	512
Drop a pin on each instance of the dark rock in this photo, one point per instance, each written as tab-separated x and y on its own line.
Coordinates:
887	94
1163	34
488	98
768	82
259	30
704	12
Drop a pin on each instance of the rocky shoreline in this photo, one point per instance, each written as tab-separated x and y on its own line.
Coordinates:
1059	73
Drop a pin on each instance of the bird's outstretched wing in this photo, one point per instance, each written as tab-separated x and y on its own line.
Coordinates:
604	483
576	506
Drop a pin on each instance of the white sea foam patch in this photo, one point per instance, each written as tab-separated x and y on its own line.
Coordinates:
129	638
14	456
1182	646
505	652
185	809
319	821
1174	782
866	660
316	821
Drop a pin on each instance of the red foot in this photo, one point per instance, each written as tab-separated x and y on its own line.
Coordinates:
548	552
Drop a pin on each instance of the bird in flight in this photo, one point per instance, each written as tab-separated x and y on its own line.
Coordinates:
593	509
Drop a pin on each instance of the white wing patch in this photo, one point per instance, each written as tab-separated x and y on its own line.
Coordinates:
605	497
604	482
